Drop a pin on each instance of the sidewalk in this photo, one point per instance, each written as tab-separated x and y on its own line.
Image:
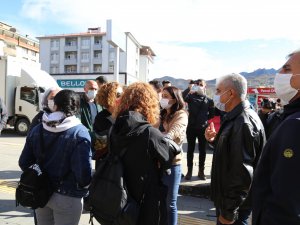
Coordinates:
196	187
191	210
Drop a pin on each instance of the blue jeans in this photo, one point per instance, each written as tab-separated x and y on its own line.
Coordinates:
172	181
242	219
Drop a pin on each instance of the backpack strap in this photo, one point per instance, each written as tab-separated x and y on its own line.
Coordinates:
147	175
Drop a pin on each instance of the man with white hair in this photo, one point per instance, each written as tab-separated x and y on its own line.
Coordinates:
238	145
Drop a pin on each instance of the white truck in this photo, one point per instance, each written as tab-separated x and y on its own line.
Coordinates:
22	84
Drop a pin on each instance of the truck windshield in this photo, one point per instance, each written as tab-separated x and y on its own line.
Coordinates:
29	94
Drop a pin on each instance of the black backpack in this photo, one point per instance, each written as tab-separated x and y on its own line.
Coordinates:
34	189
110	202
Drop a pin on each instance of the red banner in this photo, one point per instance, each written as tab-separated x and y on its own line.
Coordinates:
265	91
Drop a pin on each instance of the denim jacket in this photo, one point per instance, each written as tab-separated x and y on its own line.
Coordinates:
67	162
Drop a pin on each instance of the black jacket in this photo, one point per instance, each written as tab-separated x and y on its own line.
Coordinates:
275	118
237	148
144	162
201	109
276	186
103	121
38	118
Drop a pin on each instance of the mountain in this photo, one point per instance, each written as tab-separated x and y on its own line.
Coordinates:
259	72
259	77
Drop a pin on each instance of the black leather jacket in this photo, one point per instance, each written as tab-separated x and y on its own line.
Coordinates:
237	148
201	109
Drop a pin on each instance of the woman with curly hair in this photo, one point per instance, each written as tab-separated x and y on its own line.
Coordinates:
148	153
174	120
108	97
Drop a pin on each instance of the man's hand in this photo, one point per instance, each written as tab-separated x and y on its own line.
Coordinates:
190	88
224	221
210	132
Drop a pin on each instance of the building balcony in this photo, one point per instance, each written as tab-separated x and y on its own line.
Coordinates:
97	46
70	71
97	60
71	61
69	48
54	61
54	48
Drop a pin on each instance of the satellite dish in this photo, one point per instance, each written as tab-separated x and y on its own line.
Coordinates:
12	29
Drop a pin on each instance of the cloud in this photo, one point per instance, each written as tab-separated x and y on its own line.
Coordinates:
185	62
191	20
162	24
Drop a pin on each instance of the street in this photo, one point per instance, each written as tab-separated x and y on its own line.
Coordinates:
192	210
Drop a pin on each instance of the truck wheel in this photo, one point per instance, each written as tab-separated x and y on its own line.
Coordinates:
22	126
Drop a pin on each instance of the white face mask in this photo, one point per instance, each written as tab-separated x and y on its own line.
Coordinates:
218	104
164	103
51	105
283	88
195	88
91	94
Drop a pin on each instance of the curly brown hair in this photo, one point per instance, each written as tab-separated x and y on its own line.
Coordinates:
142	98
107	94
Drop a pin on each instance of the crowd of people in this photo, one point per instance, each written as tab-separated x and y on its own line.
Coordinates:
255	158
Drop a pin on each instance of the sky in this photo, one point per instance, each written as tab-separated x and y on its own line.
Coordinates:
191	38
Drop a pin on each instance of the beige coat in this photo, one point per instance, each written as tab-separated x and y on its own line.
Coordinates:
176	129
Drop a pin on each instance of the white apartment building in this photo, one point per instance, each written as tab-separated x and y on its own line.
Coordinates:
74	58
12	43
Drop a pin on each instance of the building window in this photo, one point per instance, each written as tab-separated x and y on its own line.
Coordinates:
71	41
85	56
97	54
55	43
85	42
54	56
71	69
70	55
111	68
98	40
111	56
85	69
25	51
54	69
97	68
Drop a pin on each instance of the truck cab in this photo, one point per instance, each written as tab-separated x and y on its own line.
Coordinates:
27	105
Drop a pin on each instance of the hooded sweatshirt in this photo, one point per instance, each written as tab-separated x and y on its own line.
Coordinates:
67	147
147	156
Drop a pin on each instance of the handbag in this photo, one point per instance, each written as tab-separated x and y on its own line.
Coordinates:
175	148
34	189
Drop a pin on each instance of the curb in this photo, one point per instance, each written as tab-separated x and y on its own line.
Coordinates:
199	190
